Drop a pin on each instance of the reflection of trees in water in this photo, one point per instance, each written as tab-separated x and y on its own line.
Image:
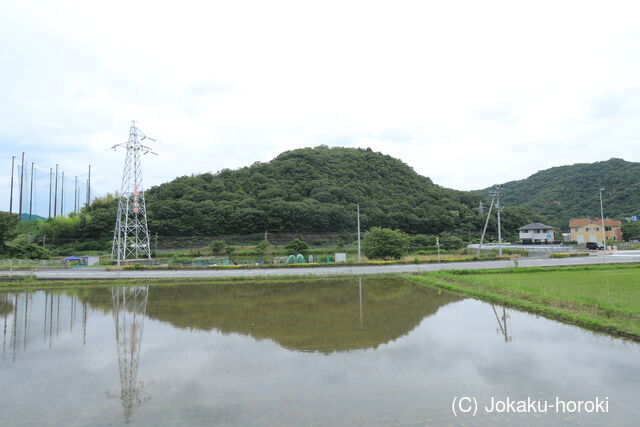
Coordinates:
129	308
6	306
323	315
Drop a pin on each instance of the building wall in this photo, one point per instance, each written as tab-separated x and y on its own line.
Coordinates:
592	232
537	237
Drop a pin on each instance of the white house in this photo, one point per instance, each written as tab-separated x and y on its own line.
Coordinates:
536	232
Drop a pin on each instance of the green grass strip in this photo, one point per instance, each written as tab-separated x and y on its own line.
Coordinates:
571	295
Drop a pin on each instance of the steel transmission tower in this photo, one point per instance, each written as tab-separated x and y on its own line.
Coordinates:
131	235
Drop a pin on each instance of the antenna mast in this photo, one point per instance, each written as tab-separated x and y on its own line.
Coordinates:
131	235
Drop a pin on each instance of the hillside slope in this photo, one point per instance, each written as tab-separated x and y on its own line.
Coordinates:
304	191
309	190
564	192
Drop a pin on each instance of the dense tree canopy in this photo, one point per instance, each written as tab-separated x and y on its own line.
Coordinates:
566	192
310	190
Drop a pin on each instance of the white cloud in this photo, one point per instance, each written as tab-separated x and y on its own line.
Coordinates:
468	93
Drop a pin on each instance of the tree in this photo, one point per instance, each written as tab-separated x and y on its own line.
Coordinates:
297	246
27	250
385	243
8	223
218	247
630	229
229	250
451	242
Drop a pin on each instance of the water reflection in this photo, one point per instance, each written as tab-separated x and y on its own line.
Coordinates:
351	351
502	323
23	314
129	309
304	315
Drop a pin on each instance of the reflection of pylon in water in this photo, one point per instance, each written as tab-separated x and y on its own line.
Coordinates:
502	323
129	309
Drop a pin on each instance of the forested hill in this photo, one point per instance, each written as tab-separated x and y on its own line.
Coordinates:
310	190
564	192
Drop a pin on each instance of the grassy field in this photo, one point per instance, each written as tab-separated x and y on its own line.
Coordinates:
605	298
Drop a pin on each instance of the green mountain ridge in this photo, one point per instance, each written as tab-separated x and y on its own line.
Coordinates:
572	191
310	190
303	191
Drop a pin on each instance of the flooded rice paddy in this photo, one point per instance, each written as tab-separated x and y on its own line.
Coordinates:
370	351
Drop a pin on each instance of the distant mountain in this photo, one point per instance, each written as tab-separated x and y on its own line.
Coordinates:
33	217
564	192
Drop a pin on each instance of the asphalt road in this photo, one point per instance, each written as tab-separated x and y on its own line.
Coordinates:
95	273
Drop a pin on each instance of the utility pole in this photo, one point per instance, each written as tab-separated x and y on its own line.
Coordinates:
131	234
50	188
31	194
358	212
13	161
484	230
62	195
55	195
75	194
89	187
604	235
21	185
498	208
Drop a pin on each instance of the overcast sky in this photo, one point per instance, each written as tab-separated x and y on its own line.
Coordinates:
467	93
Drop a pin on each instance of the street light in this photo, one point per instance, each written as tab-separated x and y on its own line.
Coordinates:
604	236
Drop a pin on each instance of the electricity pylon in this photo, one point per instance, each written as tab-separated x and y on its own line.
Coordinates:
131	235
129	310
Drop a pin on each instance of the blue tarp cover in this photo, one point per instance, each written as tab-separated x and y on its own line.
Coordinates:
72	258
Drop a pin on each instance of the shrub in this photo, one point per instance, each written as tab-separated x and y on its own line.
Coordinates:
451	242
383	243
27	250
218	247
297	246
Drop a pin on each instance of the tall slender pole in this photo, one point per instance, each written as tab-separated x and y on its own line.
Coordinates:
62	195
50	188
55	195
75	194
604	235
486	223
31	194
359	255
13	161
89	187
499	228
21	185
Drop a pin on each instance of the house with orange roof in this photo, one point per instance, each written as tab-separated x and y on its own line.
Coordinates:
585	230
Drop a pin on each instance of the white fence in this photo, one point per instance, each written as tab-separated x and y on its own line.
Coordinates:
30	263
543	249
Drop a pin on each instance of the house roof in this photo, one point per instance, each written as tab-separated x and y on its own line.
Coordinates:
536	226
581	222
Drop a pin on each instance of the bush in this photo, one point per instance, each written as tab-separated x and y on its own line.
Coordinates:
422	240
451	242
27	250
383	243
263	245
297	246
218	247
